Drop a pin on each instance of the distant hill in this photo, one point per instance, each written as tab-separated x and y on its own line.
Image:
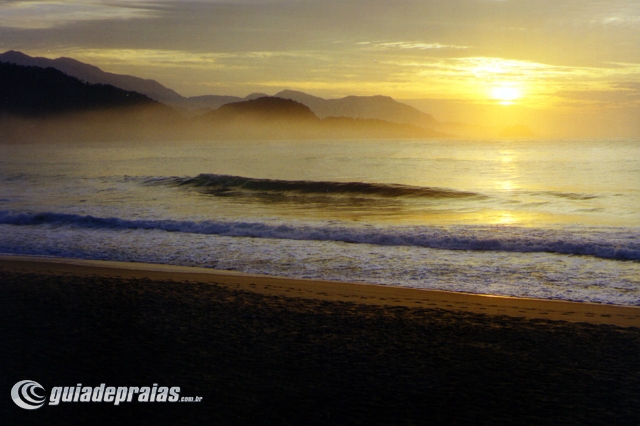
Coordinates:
374	107
44	104
274	117
151	88
35	92
94	75
259	118
266	109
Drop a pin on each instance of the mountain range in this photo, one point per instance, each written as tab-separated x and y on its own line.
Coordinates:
39	92
94	75
46	104
272	117
365	107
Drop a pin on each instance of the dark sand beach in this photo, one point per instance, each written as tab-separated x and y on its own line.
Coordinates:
272	351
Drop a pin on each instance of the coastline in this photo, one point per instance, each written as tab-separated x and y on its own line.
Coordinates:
367	294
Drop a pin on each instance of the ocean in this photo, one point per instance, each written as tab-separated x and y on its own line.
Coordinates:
555	219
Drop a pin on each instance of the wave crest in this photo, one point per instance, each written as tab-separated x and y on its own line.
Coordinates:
608	244
225	185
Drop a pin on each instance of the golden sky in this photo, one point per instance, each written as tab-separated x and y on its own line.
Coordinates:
463	58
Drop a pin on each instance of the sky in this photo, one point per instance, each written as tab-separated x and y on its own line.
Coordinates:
546	63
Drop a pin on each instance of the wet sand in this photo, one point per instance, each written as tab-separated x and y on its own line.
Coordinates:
265	350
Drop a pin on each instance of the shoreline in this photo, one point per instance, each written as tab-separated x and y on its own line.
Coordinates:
367	294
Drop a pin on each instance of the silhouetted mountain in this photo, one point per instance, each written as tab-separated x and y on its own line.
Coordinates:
44	104
375	107
151	88
261	118
275	118
95	75
33	91
263	109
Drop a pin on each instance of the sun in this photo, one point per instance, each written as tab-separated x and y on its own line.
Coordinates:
506	94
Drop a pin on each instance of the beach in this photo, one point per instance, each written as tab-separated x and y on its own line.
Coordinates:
269	350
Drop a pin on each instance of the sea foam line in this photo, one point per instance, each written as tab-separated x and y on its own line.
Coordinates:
619	244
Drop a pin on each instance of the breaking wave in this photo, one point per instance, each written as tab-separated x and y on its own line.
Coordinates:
613	243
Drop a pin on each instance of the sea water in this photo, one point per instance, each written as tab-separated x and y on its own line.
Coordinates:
555	219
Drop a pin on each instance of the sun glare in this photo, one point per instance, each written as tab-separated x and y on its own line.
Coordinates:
506	94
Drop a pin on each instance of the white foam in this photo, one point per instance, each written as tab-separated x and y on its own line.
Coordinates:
607	243
541	275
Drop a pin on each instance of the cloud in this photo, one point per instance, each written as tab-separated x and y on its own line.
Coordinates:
182	59
412	45
613	94
632	86
546	31
50	14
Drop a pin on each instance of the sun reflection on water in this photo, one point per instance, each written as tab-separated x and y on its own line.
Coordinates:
507	171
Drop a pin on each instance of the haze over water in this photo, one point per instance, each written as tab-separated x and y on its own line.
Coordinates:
543	218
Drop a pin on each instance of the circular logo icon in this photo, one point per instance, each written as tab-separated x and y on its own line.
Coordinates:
24	395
